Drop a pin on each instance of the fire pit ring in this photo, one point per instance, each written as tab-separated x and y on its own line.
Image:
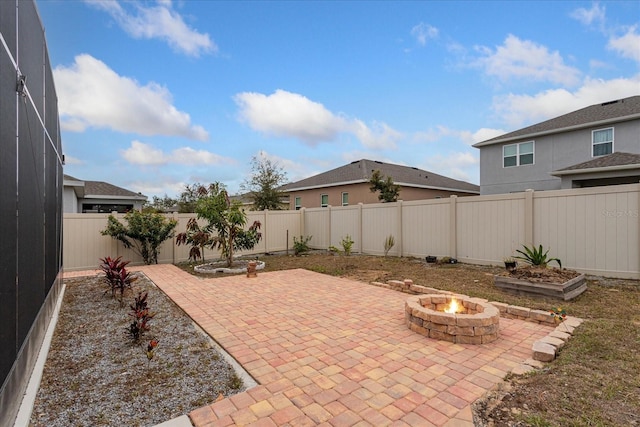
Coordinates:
474	322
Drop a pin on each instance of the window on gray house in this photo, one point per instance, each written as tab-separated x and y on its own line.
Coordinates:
518	154
602	142
298	203
324	200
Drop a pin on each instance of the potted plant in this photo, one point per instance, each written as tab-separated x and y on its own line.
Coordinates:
510	263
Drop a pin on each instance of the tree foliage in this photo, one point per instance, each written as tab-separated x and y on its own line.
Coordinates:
189	197
144	232
267	177
225	226
160	204
389	192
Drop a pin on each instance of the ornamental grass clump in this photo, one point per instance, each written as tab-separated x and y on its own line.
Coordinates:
389	243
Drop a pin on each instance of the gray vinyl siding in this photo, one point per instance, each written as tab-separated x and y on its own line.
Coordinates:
552	152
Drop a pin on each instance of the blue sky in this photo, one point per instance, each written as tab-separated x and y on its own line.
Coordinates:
154	95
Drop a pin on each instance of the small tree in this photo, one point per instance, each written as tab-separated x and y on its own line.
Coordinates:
144	233
389	192
267	177
226	219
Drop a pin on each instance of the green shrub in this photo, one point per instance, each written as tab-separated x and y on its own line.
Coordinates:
347	243
301	246
144	233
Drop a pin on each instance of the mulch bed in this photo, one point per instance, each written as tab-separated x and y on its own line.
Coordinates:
96	374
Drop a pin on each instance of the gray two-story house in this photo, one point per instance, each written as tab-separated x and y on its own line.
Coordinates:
597	145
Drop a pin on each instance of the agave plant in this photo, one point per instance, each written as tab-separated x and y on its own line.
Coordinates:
536	256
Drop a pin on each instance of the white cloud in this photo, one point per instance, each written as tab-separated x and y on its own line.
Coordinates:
424	32
91	94
597	64
189	156
468	137
483	134
292	115
378	137
524	59
158	187
158	22
140	153
295	171
457	165
289	114
627	45
143	154
430	135
519	110
593	16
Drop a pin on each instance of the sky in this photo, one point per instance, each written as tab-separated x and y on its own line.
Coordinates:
155	95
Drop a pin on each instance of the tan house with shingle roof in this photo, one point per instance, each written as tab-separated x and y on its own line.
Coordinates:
349	185
98	197
597	145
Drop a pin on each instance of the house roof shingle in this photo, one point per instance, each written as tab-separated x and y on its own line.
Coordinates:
104	189
616	160
622	109
360	171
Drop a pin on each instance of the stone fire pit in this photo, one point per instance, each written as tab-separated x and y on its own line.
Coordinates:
473	322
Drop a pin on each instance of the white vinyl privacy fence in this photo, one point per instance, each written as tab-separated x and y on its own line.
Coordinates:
593	230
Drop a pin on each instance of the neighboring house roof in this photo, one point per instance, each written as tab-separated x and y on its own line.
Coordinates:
595	115
611	162
247	198
360	171
101	190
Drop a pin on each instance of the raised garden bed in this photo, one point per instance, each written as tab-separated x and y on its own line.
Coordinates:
549	282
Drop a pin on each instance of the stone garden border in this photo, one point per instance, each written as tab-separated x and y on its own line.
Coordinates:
205	269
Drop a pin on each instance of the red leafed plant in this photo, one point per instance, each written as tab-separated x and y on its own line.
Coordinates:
116	275
151	348
196	237
141	317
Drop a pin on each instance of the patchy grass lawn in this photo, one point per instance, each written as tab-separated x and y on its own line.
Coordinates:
596	379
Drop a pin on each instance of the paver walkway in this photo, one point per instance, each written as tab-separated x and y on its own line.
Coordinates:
336	352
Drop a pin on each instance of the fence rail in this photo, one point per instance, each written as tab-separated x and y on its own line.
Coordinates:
592	230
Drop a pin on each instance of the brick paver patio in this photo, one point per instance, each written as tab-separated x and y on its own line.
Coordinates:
336	352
